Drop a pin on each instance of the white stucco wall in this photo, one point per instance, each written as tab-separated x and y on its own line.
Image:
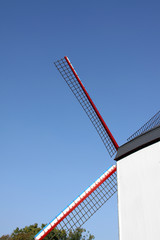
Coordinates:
138	178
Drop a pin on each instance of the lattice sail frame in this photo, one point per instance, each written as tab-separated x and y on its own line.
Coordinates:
67	71
153	122
85	205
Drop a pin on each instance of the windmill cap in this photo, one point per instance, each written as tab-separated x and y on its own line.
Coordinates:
139	142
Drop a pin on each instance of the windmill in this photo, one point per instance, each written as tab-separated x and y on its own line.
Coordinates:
86	204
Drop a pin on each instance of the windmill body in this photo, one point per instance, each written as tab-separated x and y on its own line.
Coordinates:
138	179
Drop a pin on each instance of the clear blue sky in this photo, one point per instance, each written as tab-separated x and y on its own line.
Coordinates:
50	152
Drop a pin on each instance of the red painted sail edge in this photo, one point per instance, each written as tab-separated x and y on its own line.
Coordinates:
93	105
110	172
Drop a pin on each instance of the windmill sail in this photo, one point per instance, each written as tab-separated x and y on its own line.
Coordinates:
153	122
84	206
70	76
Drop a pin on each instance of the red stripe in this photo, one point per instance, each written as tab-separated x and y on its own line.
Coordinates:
93	105
81	200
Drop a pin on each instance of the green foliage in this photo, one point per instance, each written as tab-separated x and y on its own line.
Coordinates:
78	234
5	237
28	233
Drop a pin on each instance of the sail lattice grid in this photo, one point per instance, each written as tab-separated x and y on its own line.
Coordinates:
68	75
83	207
90	205
153	122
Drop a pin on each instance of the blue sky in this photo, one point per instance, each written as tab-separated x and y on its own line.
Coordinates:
50	152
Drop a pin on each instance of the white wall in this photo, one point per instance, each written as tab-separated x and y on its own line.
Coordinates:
139	194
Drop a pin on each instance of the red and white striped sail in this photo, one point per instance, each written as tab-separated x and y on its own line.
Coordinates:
67	71
85	205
